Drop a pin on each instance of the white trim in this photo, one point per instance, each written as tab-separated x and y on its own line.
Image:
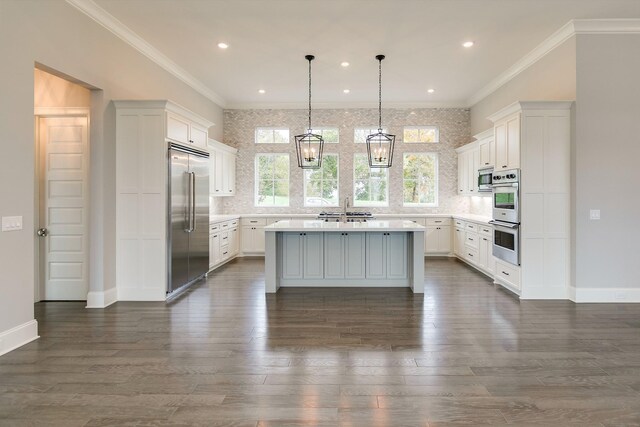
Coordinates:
484	134
164	104
18	336
518	106
111	23
344	105
568	30
545	293
217	145
604	295
102	299
60	112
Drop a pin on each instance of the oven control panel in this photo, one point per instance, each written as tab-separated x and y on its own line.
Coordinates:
506	177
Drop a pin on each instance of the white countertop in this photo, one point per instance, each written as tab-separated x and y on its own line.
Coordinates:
311	216
319	225
473	218
219	218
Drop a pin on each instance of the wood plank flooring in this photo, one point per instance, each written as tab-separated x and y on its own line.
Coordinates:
226	354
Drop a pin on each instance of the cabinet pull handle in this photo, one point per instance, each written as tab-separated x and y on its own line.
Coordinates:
505	273
252	222
504	166
484	238
470	255
486	163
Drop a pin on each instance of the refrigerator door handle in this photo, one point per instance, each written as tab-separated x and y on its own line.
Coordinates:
193	201
188	215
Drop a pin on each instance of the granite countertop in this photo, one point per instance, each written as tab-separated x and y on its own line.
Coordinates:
318	225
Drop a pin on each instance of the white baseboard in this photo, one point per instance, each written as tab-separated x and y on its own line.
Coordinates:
18	336
135	294
545	293
102	299
605	295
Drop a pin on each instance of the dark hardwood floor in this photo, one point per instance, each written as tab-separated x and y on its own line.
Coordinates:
224	354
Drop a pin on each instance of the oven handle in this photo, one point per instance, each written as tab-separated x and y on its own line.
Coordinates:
504	224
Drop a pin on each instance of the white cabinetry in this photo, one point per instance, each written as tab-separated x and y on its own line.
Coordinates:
386	255
437	238
223	169
486	148
507	142
468	163
223	242
186	131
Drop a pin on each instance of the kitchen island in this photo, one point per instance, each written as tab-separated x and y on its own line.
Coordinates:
314	253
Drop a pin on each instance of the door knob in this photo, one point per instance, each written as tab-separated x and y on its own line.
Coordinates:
42	232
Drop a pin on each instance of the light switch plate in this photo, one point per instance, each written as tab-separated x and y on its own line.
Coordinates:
594	214
11	223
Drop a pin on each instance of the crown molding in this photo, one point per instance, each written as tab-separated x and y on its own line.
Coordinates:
344	105
568	30
111	23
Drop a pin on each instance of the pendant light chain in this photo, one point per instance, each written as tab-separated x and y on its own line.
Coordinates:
380	95
309	95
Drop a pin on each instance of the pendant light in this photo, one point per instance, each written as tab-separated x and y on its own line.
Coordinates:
309	145
380	145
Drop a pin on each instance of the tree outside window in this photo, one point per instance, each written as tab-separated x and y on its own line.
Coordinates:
321	185
418	134
420	179
370	185
272	180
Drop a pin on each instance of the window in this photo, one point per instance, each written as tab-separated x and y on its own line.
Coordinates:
272	136
360	134
330	135
321	185
272	180
370	185
420	179
413	134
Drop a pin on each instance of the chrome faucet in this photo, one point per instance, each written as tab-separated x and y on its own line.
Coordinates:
346	205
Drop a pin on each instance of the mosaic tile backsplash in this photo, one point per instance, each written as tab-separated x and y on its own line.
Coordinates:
239	131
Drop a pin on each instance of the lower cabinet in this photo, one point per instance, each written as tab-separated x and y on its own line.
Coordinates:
214	248
458	241
437	239
386	255
486	261
223	243
302	256
253	239
344	256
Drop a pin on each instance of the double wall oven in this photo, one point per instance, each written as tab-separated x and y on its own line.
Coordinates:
506	215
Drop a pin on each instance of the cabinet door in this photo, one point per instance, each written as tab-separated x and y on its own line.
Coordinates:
483	252
487	148
501	158
462	173
212	256
431	240
354	256
444	238
214	247
396	255
292	255
334	255
376	266
177	128
513	142
212	174
313	258
229	174
459	241
258	238
248	239
219	174
233	241
198	136
473	160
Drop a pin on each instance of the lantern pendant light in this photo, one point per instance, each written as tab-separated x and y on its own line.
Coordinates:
380	145
309	145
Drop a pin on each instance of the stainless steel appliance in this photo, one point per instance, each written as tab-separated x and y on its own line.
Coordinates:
506	241
506	195
506	215
485	176
348	216
188	228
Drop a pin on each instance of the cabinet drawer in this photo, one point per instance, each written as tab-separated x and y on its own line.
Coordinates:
471	240
471	255
233	223
416	220
485	230
438	221
224	237
214	227
254	221
460	223
508	273
470	226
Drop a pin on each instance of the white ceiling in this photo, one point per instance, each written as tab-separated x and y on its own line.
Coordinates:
421	39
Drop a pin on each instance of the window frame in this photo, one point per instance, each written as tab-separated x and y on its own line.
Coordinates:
321	129
304	184
368	204
273	129
431	127
256	179
436	157
371	129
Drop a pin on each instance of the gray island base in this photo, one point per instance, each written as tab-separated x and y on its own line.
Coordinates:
344	254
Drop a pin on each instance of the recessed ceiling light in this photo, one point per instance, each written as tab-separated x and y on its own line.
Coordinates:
467	44
431	90
222	45
346	91
344	64
262	91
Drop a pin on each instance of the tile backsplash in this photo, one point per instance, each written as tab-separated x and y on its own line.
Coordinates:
239	131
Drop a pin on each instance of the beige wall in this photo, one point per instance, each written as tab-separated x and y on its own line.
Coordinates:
53	91
239	130
606	156
48	32
552	78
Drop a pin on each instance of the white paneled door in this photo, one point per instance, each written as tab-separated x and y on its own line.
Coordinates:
63	166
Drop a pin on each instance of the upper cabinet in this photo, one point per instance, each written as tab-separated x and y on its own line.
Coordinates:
468	163
190	131
222	179
486	148
507	142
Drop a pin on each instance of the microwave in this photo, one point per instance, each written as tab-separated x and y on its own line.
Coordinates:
485	179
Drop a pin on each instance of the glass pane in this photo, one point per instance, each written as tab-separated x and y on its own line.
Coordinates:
330	192
281	166
330	135
265	193
378	190
264	136
427	135
411	135
330	166
360	136
265	167
281	136
361	191
281	193
410	192
361	166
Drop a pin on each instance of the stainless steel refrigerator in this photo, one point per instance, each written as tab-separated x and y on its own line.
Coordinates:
188	216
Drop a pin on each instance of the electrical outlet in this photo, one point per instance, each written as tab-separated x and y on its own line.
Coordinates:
594	214
11	223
